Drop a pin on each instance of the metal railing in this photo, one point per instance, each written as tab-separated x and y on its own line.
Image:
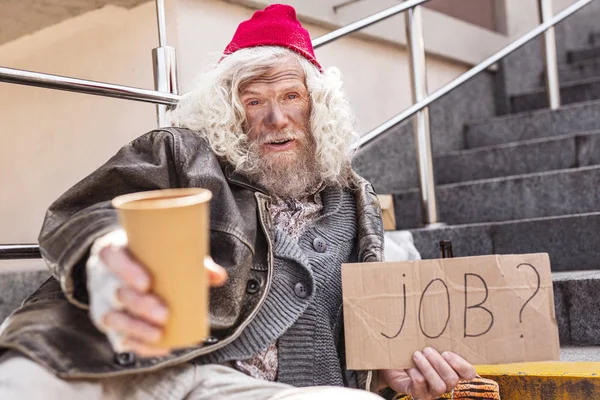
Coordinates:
420	112
418	79
164	66
164	60
48	81
550	59
165	80
19	251
444	90
366	22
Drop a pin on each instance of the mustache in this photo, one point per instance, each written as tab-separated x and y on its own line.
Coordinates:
286	134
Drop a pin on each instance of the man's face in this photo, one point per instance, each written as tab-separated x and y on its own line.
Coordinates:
277	110
277	106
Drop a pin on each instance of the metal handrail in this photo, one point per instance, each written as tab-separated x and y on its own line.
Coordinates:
131	93
164	62
412	110
165	73
19	251
550	59
49	81
161	22
29	78
57	82
365	22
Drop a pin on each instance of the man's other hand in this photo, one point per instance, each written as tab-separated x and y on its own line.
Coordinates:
122	304
434	375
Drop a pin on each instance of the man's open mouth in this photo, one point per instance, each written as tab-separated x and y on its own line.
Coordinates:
280	142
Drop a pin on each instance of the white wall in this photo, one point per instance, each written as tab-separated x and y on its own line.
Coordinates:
52	139
522	15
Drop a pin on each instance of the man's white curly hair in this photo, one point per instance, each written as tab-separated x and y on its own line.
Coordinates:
213	109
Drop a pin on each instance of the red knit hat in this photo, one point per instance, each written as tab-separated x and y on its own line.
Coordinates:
276	25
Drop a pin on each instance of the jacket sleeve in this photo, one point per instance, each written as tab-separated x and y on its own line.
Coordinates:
84	212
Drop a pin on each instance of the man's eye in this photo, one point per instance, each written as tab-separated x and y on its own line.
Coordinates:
292	96
253	103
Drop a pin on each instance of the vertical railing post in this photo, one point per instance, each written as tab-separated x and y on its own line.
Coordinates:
165	63
550	59
418	78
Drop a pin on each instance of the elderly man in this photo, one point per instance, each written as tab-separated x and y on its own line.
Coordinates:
269	132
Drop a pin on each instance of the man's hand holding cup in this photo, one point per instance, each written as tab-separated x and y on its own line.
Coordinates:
148	282
122	303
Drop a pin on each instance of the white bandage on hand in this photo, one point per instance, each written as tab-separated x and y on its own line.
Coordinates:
103	284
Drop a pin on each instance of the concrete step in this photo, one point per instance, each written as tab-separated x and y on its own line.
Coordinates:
572	241
542	194
534	124
583	54
529	156
389	162
18	279
576	71
577	306
580	353
571	92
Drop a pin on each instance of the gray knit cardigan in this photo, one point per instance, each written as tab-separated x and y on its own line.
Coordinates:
309	329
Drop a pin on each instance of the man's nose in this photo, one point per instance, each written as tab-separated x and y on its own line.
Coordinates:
277	117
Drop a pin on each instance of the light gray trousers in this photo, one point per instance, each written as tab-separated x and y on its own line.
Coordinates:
21	378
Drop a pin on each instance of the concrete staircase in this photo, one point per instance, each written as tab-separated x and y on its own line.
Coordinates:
513	177
519	182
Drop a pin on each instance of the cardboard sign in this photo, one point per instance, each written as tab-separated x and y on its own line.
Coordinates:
490	310
388	214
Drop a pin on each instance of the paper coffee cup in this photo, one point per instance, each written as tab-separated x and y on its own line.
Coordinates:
168	232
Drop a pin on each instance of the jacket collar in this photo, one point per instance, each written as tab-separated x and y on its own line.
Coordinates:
242	180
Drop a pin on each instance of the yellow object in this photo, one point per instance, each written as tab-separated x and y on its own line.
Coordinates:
168	232
545	380
475	389
387	212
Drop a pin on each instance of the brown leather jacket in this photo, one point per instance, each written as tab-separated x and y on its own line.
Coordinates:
53	327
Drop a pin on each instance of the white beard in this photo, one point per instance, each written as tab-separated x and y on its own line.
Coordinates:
288	174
